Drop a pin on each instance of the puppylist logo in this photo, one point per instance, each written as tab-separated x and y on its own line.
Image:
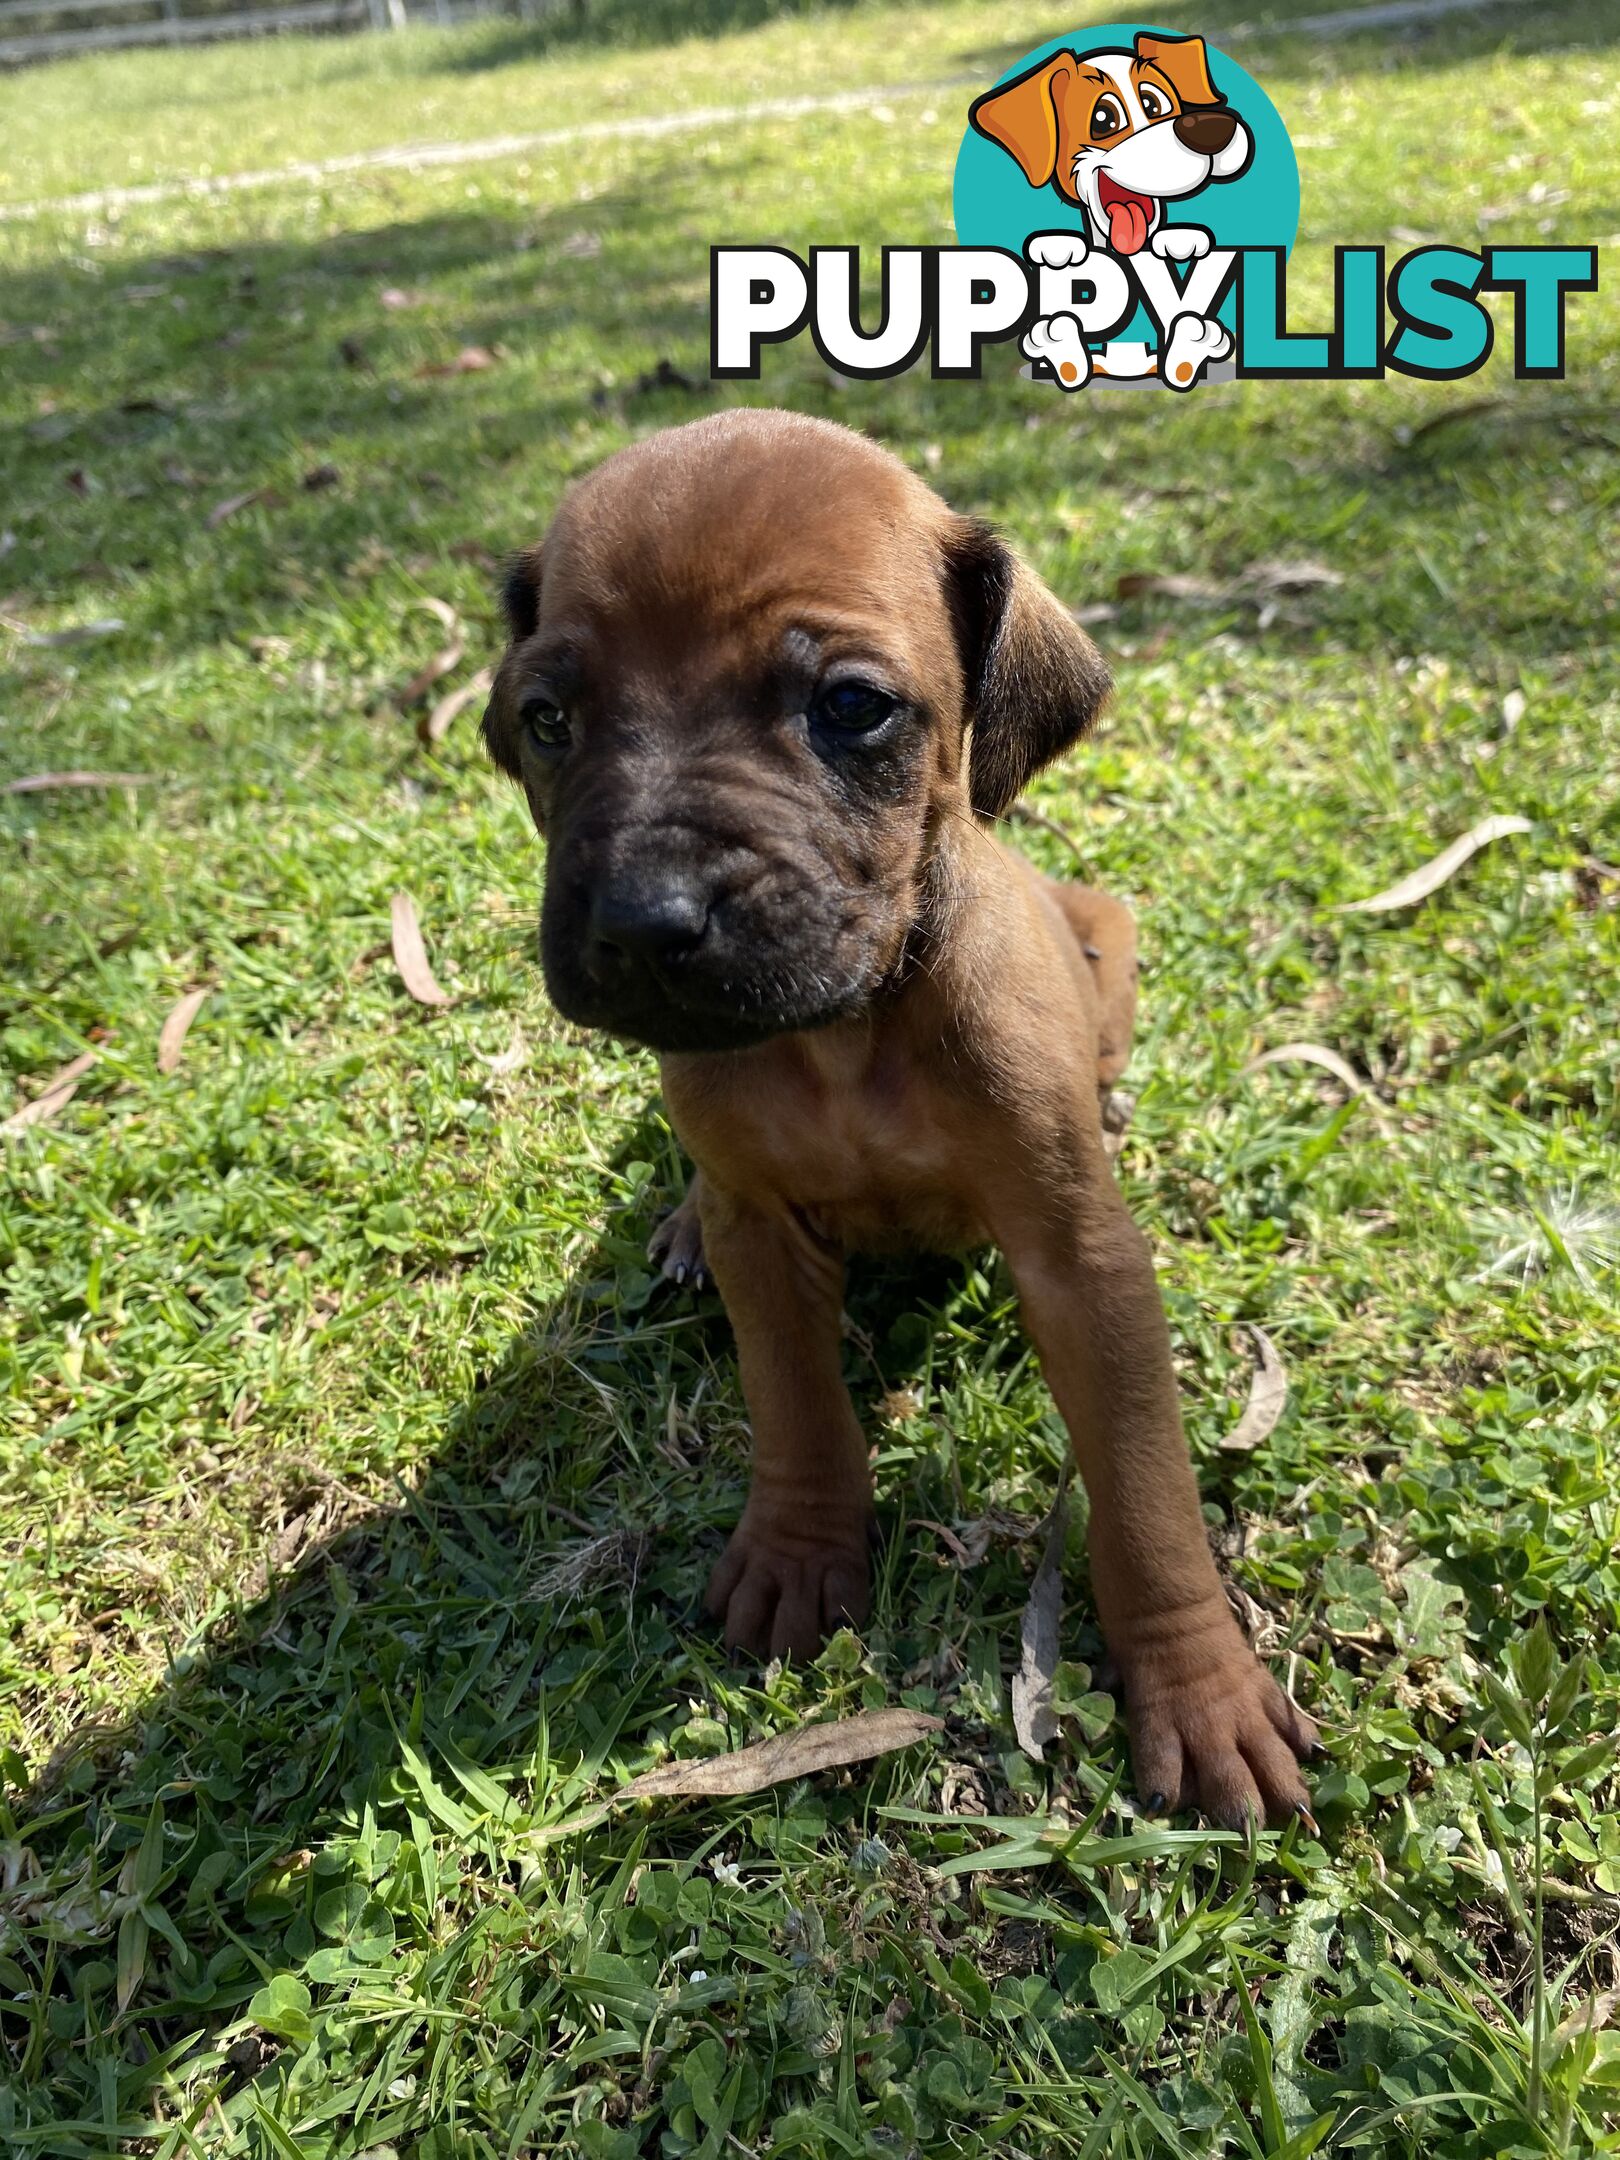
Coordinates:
1125	201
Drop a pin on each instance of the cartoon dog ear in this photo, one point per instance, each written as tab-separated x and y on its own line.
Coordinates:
1035	681
1021	117
1185	60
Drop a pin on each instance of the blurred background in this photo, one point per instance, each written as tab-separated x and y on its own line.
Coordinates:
360	1483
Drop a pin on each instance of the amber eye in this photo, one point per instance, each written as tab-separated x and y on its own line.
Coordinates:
851	708
1107	117
545	721
1154	102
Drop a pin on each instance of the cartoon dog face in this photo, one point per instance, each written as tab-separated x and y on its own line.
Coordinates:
1119	133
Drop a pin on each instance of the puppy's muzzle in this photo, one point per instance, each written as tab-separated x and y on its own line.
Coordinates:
1206	132
644	922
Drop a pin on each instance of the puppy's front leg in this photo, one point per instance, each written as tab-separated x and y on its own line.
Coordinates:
796	1566
1209	1725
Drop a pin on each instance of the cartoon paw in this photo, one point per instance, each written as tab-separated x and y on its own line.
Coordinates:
1194	342
1057	340
1057	250
1180	243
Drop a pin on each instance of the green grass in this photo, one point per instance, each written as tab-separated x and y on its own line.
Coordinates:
360	1487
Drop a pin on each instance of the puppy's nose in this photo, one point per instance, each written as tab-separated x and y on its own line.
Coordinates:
648	918
1206	132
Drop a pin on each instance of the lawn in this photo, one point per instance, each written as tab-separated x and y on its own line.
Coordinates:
360	1484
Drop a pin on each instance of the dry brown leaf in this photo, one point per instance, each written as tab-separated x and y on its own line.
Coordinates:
471	360
796	1754
969	1547
40	782
1289	577
1169	585
1430	876
443	661
74	634
1590	2016
1268	1394
509	1060
434	726
1034	1720
177	1026
959	1552
234	503
1313	1053
55	1095
410	954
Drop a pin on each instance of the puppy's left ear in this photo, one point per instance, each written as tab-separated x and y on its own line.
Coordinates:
1035	681
520	593
1185	60
520	602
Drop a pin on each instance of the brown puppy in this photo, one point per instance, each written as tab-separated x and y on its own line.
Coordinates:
763	692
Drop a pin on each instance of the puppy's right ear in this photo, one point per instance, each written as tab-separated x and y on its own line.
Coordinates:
520	602
1034	680
1021	117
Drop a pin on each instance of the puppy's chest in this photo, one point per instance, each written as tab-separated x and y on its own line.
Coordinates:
872	1159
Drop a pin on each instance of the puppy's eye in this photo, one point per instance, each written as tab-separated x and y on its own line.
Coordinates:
1154	102
851	708
1107	118
545	722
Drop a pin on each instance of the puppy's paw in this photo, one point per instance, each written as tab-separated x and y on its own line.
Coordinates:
1194	342
781	1593
1057	250
676	1246
1180	243
1211	1729
1057	340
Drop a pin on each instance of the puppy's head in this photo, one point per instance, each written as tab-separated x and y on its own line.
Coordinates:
1119	133
755	668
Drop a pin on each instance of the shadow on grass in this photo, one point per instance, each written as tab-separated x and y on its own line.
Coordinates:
300	1827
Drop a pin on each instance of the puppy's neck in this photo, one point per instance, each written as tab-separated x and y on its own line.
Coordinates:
960	858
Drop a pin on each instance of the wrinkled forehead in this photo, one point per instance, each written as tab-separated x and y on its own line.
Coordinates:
717	564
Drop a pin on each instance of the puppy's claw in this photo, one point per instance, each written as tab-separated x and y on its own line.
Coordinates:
781	1596
676	1246
1211	1729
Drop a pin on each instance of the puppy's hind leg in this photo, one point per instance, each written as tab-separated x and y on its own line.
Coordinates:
1105	930
676	1246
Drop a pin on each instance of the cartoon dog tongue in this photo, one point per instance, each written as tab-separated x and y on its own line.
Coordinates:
1128	215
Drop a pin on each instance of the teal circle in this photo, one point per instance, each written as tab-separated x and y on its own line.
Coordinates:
993	205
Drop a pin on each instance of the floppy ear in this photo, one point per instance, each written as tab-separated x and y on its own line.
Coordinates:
1022	117
1035	681
520	593
520	602
1186	62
